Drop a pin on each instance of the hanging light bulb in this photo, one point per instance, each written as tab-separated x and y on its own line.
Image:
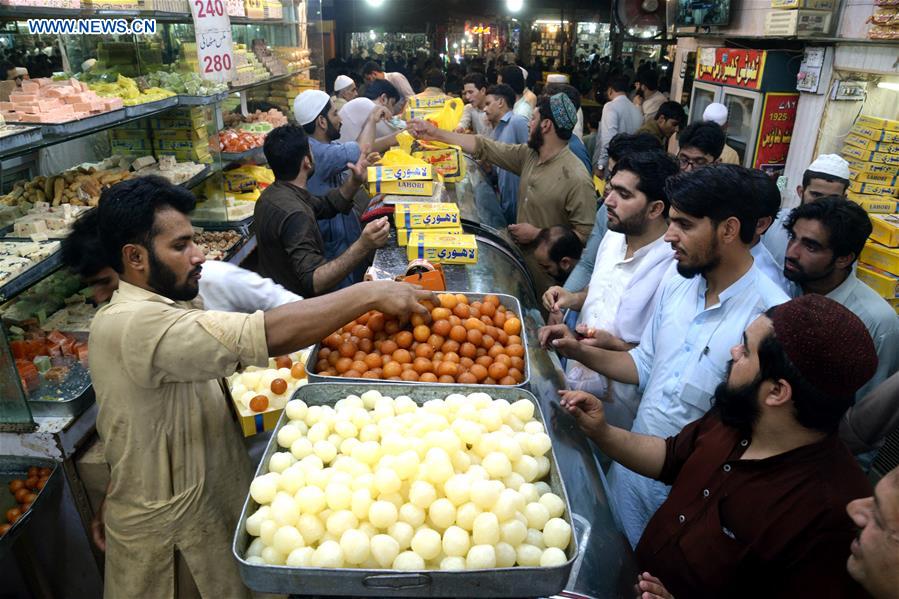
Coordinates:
514	5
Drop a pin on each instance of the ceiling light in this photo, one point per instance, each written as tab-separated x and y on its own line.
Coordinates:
514	5
889	85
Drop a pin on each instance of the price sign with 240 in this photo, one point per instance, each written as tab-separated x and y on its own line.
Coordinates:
215	48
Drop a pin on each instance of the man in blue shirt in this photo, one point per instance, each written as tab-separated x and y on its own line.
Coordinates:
508	128
318	117
684	352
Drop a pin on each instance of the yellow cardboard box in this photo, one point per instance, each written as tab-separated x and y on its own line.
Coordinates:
402	188
877	146
875	134
870	155
403	235
874	189
879	178
421	216
886	229
446	160
429	102
885	284
861	166
447	249
877	123
400	173
258	423
882	257
874	204
420	113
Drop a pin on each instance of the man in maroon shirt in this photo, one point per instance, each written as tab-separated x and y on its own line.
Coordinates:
760	484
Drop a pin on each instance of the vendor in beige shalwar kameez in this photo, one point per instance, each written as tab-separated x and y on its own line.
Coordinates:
179	472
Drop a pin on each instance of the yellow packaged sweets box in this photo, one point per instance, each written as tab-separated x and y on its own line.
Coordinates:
870	155
403	234
877	123
875	189
429	102
875	134
447	160
402	188
885	284
414	179
880	256
874	204
891	179
447	249
877	146
427	216
886	229
860	166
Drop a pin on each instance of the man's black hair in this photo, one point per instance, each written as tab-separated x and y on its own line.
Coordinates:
767	197
563	243
652	169
127	213
374	90
284	149
514	78
546	112
371	67
435	78
503	91
309	127
649	78
705	136
846	222
82	250
812	409
476	79
672	110
626	143
717	192
619	83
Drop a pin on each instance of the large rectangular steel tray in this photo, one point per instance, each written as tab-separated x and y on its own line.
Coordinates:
15	136
148	108
82	125
349	582
509	301
13	467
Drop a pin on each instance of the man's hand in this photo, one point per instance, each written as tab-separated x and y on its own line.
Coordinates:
399	299
423	129
98	528
523	233
595	337
558	298
550	333
587	411
650	587
359	170
567	346
554	318
375	234
379	113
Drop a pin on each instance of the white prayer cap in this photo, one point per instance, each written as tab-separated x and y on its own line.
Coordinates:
830	164
342	82
524	73
716	113
309	105
557	78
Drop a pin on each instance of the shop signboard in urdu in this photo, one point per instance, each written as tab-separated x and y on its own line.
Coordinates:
775	131
731	66
215	47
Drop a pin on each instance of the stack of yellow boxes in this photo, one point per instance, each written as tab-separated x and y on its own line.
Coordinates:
422	107
872	149
433	232
130	139
182	133
282	93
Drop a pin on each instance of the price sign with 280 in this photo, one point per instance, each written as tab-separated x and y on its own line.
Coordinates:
214	47
217	63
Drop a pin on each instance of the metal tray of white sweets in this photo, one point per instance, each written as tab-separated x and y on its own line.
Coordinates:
510	302
357	582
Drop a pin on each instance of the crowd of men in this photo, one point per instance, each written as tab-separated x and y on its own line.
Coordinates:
718	348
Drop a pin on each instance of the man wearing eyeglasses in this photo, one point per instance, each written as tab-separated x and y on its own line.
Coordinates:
701	144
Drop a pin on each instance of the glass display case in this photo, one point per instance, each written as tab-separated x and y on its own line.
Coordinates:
145	110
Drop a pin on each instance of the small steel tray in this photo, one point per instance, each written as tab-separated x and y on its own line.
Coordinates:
509	301
147	108
13	467
81	398
16	136
357	582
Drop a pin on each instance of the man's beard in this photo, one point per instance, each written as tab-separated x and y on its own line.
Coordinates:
738	407
634	225
165	282
333	132
712	260
535	141
561	274
800	276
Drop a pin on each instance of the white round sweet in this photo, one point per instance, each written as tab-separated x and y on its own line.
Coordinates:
557	533
481	557
553	556
384	549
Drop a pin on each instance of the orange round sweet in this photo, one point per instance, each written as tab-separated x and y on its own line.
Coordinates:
498	370
258	404
441	313
485	361
366	345
455	320
450	346
515	350
451	357
507	380
347	349
376	322
516	374
466	363
421	333
388	347
359	366
424	350
422	365
402	356
447	379
489	381
513	339
359	356
404	339
407	366
343	364
487	341
518	363
466	378
512	326
391	327
333	341
321	365
504	359
502	337
468	350
458	333
491	299
461	298
362	331
428	377
373	361
447	300
333	357
496	350
475	337
283	362
462	310
370	374
448	369
393	369
479	371
488	309
324	352
499	318
278	386
474	323
409	375
420	319
441	327
436	341
352	374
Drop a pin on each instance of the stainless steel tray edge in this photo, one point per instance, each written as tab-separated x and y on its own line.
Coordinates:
499	582
504	300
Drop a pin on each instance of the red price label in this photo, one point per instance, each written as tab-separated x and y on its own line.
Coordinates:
217	63
209	8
